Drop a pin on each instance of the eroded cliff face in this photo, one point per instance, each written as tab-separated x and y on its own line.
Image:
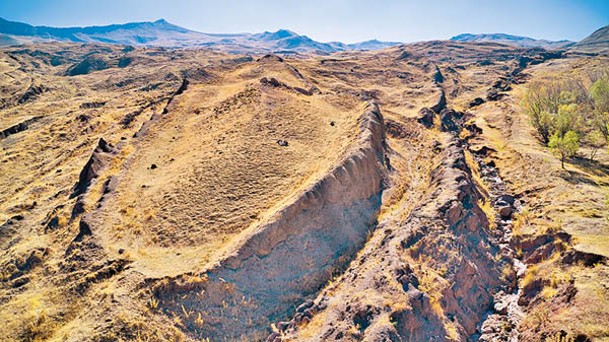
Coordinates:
429	277
287	259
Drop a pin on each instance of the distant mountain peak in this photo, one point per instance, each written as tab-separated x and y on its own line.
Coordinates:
163	33
279	34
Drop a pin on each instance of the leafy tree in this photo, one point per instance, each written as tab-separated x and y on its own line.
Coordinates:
565	146
567	119
599	92
596	140
541	102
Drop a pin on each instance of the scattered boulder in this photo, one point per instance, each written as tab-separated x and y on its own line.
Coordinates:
507	199
476	102
426	116
501	308
494	95
406	277
505	212
84	118
450	120
502	85
153	167
273	82
282	142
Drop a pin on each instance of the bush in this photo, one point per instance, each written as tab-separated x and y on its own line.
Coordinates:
596	140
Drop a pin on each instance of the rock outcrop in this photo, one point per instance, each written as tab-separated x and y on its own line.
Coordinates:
98	160
440	104
91	63
20	127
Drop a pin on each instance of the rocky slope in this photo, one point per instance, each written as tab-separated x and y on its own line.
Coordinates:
596	42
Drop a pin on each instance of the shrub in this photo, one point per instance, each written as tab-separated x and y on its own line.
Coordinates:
596	140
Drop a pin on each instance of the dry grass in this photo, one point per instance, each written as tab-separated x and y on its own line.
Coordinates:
220	171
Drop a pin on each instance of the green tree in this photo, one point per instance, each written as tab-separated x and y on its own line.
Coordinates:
567	119
596	140
541	103
599	92
565	146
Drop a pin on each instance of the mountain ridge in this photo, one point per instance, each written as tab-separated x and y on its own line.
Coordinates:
161	33
597	41
165	34
505	38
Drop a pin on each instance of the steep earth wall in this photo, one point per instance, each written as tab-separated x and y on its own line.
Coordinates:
286	260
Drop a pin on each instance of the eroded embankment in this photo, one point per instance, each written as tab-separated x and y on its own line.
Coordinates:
431	276
284	261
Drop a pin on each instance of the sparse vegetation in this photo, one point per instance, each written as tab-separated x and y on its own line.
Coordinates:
419	260
563	111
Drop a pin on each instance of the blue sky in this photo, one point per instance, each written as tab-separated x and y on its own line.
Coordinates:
327	20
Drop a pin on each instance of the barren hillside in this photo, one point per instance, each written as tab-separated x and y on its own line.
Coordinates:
396	195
